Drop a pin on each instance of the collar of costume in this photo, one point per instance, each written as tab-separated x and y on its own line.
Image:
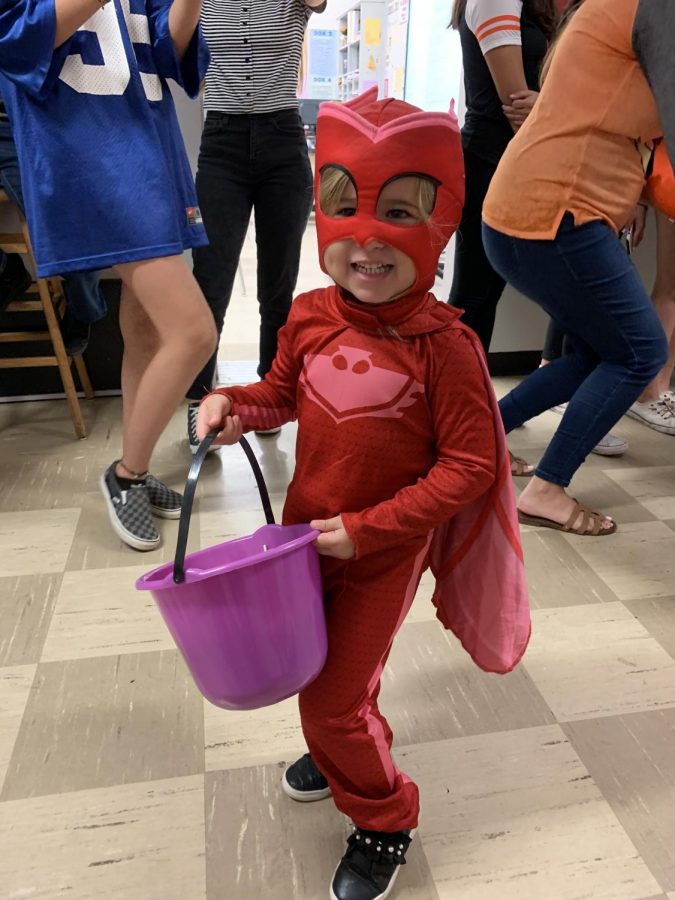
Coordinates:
416	313
375	141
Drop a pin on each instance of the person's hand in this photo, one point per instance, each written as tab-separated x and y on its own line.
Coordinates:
333	540
636	225
521	105
214	413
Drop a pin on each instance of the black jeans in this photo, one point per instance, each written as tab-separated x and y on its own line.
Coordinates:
258	163
476	287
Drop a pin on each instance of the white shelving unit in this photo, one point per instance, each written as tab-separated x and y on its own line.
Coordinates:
362	48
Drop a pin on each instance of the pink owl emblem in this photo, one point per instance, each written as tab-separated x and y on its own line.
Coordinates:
347	385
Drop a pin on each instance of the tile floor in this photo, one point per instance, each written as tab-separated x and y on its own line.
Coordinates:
118	781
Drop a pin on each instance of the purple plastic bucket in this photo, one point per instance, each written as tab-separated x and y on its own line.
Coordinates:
247	615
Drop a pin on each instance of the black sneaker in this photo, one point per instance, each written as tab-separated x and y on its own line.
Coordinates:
130	512
164	502
370	866
15	280
302	781
192	410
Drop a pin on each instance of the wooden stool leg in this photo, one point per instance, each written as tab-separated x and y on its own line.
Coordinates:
84	377
59	301
62	359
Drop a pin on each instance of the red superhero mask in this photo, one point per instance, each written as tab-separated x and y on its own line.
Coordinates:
375	141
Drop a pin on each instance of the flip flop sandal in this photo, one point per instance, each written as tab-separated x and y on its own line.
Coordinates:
582	529
519	467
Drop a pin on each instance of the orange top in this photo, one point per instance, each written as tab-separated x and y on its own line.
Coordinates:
577	150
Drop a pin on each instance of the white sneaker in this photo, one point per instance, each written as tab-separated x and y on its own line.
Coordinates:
610	445
659	414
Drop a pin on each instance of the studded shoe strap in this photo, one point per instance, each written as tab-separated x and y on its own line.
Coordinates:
391	847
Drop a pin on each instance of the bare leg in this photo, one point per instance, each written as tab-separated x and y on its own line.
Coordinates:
168	335
663	295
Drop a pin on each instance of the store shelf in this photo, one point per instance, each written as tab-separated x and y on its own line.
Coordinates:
362	50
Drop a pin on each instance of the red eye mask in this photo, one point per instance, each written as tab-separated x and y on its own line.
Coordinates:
376	141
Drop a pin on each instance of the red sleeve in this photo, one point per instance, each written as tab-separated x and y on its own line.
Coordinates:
466	456
272	402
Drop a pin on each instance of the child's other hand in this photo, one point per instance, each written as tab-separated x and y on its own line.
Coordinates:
213	413
333	540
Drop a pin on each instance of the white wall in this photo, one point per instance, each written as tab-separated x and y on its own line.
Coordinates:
329	18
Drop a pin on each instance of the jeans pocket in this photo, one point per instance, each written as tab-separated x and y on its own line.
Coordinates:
289	124
215	123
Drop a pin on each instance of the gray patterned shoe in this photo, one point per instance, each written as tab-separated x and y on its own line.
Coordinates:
164	502
130	512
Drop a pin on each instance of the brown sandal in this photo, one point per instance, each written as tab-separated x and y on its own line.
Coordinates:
582	530
519	466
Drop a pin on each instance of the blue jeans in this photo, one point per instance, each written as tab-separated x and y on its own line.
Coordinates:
588	285
85	300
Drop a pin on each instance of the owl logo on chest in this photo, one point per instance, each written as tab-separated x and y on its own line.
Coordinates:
346	384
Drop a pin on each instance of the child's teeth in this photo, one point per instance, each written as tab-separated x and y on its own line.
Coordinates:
371	270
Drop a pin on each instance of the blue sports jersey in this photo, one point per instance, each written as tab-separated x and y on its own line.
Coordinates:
104	170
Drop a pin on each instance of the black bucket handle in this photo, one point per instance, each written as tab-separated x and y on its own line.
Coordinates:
189	496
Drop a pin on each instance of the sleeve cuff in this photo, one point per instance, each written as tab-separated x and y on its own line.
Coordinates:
189	72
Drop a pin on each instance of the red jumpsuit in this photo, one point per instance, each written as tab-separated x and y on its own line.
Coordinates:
396	434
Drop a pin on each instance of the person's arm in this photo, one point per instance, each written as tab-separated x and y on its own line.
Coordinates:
178	46
30	54
506	67
70	14
496	26
317	6
183	21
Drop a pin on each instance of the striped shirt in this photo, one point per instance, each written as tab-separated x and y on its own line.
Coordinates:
256	47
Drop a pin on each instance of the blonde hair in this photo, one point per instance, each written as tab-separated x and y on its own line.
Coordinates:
335	181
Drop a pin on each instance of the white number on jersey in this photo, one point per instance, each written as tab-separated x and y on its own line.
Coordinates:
111	78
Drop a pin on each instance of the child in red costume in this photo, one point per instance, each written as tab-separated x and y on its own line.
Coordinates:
400	458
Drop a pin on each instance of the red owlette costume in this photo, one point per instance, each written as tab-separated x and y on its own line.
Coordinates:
400	434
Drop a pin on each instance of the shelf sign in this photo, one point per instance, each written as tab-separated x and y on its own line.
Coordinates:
321	76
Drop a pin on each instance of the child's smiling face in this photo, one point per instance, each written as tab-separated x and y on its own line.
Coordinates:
376	273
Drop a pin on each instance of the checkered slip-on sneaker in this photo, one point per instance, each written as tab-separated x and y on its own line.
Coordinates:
164	502
129	511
